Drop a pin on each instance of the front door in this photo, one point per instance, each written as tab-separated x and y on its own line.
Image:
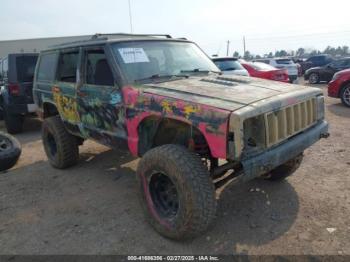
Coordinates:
100	100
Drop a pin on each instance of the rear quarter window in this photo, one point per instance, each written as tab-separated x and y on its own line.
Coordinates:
25	67
47	67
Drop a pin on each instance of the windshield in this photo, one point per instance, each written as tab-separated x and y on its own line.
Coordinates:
25	66
144	59
228	65
261	66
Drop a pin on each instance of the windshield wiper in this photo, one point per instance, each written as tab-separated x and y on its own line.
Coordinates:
158	76
199	70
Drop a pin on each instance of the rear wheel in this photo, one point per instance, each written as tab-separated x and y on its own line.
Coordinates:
283	171
61	147
13	122
177	193
345	95
314	78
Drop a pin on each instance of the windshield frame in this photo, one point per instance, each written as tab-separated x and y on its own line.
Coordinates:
122	76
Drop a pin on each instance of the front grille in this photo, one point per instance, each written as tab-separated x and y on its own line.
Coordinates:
289	121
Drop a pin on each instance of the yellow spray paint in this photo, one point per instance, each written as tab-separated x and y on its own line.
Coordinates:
67	107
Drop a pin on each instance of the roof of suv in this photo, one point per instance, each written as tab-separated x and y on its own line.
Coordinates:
117	37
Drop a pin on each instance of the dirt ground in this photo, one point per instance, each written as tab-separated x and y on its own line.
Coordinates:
93	208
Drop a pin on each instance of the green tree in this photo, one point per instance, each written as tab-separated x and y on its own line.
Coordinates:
236	54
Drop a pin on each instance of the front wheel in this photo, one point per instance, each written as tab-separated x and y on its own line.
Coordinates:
60	147
345	95
314	78
177	193
283	171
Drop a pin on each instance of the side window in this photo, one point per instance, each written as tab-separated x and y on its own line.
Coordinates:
97	69
67	68
47	67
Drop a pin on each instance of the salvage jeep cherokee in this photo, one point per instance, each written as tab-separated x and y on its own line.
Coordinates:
165	101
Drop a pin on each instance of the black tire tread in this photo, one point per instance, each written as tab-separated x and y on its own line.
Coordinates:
14	123
198	180
67	147
10	158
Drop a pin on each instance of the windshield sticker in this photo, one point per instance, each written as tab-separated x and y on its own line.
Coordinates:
133	55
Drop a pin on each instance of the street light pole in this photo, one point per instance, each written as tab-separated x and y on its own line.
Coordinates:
228	47
130	17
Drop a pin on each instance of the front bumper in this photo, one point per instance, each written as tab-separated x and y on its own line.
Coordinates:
265	162
333	88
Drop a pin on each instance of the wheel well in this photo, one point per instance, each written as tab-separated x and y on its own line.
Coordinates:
49	110
342	86
155	131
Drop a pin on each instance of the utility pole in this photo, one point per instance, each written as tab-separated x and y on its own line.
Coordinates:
130	17
228	47
244	46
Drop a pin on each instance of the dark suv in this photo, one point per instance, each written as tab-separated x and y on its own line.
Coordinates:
164	100
314	61
16	81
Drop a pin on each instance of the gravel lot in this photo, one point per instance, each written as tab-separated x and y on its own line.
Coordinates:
93	208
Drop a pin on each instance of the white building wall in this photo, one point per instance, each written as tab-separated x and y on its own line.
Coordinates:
35	45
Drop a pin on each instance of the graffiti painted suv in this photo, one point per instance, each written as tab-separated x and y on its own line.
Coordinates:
163	100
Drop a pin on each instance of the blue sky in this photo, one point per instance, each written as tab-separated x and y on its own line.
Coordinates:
268	25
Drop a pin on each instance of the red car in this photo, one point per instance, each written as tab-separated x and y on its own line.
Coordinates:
339	87
262	70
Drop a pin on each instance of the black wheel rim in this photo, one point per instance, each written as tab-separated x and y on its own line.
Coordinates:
5	144
51	144
164	196
313	78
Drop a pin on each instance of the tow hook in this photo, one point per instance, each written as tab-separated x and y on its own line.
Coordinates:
324	135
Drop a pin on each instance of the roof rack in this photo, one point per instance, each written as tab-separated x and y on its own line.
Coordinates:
98	35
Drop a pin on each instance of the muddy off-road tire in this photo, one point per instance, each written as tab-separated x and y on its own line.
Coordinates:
61	147
283	171
10	150
176	192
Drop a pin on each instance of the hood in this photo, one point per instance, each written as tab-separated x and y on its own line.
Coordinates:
225	92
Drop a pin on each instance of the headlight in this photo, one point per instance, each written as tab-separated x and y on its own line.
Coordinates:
320	107
254	132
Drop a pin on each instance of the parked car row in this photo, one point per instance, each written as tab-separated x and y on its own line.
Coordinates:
235	66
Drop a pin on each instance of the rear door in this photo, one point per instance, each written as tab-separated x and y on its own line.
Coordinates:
100	99
65	89
24	67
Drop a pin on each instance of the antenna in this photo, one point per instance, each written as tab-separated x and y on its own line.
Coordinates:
130	17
